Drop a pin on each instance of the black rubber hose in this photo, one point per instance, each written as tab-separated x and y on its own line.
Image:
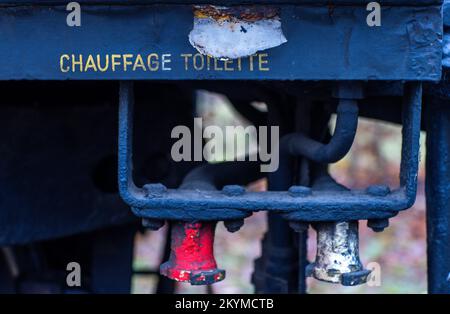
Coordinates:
298	144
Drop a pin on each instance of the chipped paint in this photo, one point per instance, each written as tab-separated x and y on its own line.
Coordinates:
235	32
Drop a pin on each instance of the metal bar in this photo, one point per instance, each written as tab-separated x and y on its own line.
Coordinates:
128	190
438	196
303	262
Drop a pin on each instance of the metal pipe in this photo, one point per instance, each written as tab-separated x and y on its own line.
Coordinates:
279	260
192	254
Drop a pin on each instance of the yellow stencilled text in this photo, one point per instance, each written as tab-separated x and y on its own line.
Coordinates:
115	62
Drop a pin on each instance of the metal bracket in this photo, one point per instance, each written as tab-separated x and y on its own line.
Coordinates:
176	204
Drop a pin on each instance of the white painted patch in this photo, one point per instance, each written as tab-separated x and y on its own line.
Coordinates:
235	39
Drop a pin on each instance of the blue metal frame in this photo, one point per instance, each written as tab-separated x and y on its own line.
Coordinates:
222	2
437	194
156	201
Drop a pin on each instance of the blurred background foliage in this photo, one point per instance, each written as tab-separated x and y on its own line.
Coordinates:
374	159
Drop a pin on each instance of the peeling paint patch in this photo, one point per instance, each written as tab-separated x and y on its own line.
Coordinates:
235	32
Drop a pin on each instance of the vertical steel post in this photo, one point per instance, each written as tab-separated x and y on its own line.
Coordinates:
438	195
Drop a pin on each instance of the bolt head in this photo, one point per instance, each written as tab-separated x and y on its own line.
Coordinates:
155	190
299	191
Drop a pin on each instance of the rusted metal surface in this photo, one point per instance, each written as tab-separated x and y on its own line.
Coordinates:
235	32
192	254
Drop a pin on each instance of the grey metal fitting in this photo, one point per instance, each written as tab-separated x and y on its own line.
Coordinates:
337	257
152	224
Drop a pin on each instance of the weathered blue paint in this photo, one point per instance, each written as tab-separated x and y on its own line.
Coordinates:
319	206
45	172
228	2
438	196
324	43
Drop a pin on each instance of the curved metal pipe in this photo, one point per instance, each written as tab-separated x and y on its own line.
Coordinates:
298	144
